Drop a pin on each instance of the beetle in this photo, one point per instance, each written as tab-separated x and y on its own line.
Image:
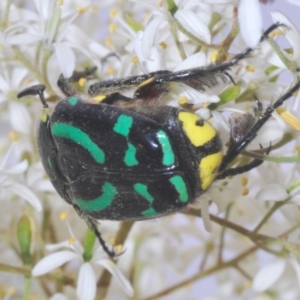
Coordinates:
131	158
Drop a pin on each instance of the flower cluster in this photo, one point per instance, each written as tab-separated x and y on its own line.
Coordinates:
246	243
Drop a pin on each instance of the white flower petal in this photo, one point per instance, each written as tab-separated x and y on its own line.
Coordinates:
292	34
57	246
65	58
52	262
250	21
296	267
195	60
295	2
25	193
86	284
268	275
17	169
193	24
149	36
272	192
116	273
58	296
20	118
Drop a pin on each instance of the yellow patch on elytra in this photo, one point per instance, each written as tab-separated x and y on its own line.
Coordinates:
198	135
207	167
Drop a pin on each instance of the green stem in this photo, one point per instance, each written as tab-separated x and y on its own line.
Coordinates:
223	235
5	15
27	284
46	55
271	211
275	159
290	64
195	39
7	268
23	59
179	45
214	269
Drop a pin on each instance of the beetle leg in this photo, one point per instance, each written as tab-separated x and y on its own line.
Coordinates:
93	227
235	148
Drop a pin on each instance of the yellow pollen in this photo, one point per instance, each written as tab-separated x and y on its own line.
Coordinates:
13	136
297	148
1	47
163	44
32	298
112	28
11	291
99	98
134	60
289	118
112	240
63	215
94	8
182	100
109	43
110	70
43	117
82	82
81	9
59	2
250	68
71	241
214	56
248	284
119	248
1	150
276	32
113	12
244	181
245	191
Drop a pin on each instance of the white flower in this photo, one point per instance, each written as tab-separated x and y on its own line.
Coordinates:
250	21
9	181
87	281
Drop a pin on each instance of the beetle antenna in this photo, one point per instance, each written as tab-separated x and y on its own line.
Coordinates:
34	90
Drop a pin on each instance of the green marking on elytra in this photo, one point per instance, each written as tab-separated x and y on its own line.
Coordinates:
49	162
142	189
149	212
78	136
73	100
129	158
180	187
103	201
168	154
123	125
